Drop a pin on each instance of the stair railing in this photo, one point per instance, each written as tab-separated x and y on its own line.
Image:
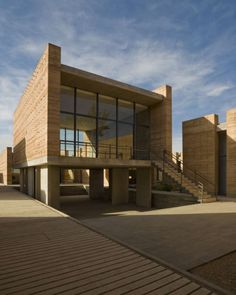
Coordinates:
183	170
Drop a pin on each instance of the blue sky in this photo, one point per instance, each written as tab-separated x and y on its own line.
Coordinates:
189	45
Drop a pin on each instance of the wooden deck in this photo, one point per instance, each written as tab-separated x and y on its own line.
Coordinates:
44	252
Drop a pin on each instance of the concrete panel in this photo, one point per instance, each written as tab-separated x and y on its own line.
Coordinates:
50	185
200	149
30	176
231	153
144	187
119	185
96	187
37	183
161	123
22	180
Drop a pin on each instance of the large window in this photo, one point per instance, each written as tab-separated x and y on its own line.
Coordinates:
95	125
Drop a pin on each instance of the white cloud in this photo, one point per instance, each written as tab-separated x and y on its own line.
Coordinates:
219	89
115	47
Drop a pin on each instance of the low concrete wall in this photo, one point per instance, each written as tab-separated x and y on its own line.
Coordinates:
163	199
71	190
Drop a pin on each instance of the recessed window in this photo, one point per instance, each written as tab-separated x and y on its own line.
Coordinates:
86	103
107	107
67	99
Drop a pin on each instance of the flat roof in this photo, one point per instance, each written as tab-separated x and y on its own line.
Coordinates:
91	82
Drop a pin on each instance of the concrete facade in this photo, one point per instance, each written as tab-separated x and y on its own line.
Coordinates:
6	166
209	148
37	133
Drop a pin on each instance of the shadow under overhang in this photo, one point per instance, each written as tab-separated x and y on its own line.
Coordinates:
91	82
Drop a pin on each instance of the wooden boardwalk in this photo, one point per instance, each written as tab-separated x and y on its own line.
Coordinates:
44	252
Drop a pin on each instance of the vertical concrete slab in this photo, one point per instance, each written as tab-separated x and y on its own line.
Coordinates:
144	187
96	183
231	153
37	183
50	185
30	176
22	180
200	149
119	185
161	123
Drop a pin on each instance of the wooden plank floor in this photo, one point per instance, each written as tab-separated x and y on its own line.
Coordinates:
44	252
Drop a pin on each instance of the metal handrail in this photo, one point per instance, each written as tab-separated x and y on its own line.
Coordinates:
181	169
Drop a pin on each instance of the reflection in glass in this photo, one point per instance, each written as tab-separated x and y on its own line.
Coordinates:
107	107
142	140
67	134
125	141
125	111
85	137
86	103
141	115
67	99
107	139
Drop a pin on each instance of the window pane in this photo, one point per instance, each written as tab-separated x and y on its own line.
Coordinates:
107	139
86	103
142	143
141	114
67	134
125	141
67	99
125	111
85	137
107	107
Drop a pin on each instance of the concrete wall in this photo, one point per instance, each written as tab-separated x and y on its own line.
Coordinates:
200	147
6	166
161	123
231	153
36	119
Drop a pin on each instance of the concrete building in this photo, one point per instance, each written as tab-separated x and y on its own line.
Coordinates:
6	166
209	148
69	119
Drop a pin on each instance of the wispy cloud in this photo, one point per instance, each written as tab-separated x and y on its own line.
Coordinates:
133	43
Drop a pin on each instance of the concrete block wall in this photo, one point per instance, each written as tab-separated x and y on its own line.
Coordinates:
34	135
231	153
6	166
200	147
161	123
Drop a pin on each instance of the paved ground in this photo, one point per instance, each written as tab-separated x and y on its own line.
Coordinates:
221	270
186	236
44	252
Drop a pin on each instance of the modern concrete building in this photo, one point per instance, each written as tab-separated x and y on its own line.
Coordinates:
69	119
209	147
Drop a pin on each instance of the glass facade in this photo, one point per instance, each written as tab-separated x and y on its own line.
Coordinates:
94	125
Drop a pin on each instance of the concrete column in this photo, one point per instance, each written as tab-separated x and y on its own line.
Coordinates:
30	180
96	186
22	180
37	183
161	123
144	187
50	186
119	185
231	153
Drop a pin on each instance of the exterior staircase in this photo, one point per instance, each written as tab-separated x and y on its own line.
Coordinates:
191	182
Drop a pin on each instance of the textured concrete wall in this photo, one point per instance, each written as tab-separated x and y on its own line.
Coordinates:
36	118
231	153
200	147
6	166
161	123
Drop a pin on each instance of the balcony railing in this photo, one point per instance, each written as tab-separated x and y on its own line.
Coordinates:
104	151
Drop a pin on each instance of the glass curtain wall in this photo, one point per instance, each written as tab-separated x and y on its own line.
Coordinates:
94	125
